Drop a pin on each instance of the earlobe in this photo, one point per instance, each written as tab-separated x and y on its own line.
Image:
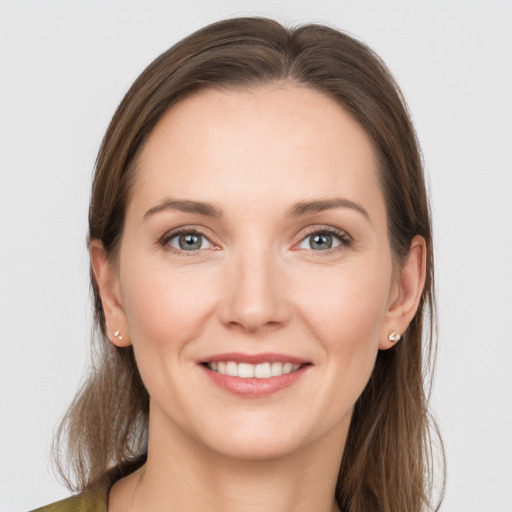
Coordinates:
409	288
107	280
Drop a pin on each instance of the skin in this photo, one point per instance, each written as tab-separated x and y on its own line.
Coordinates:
257	285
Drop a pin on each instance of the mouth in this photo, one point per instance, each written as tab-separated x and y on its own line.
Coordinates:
255	375
264	370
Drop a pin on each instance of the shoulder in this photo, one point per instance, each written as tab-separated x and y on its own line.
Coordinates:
95	497
93	500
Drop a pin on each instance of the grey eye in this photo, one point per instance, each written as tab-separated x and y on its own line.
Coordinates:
189	242
320	241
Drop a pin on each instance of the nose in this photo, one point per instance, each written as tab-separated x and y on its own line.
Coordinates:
255	295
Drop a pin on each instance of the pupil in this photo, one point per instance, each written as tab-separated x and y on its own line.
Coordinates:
321	242
190	242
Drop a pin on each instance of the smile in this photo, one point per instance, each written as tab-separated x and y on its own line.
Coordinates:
248	371
256	375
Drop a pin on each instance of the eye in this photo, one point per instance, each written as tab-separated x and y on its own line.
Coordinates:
188	241
323	240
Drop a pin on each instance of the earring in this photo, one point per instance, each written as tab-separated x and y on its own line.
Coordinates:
118	336
394	337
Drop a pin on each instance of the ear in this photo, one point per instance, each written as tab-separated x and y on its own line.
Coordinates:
107	279
405	293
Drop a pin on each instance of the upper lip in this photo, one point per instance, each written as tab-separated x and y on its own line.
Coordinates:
268	357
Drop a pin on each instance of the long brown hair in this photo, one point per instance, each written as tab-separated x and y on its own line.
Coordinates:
387	464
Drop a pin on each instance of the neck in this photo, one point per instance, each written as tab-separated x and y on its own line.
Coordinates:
188	477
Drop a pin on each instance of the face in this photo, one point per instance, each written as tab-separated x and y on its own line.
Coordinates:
255	279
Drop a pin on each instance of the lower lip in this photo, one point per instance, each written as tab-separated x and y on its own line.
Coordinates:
252	387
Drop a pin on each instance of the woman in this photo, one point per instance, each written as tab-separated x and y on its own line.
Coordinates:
261	262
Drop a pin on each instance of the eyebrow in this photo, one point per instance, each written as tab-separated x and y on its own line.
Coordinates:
301	208
308	207
199	207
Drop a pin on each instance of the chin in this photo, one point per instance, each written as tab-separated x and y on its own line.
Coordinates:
263	437
269	445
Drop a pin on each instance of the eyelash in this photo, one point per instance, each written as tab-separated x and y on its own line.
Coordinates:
164	241
344	238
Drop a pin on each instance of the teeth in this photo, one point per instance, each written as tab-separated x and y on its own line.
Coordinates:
262	371
247	371
287	367
276	369
231	368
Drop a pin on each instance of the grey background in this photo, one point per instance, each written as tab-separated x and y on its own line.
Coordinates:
64	66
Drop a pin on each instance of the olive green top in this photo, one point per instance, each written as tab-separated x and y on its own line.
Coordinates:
93	500
95	497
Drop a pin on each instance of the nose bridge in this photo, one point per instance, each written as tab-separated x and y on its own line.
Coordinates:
254	295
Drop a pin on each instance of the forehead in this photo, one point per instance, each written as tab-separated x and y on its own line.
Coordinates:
277	142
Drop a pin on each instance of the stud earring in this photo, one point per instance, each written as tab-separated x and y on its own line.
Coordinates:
118	335
394	337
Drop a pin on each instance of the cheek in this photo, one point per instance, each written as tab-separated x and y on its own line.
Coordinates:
346	317
346	307
166	310
165	306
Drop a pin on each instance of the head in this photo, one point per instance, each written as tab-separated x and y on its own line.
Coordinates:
249	71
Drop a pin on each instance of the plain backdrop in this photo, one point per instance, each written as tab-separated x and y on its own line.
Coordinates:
64	67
